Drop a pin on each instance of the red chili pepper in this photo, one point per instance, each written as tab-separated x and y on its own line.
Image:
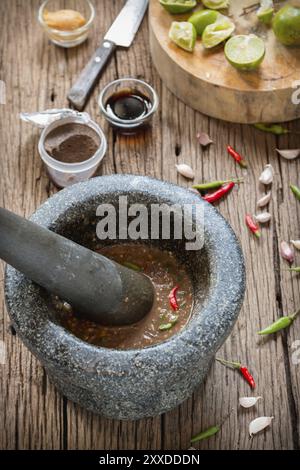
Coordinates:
244	370
173	299
253	227
246	374
238	158
213	197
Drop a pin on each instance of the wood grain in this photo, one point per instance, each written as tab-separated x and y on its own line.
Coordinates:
32	413
205	80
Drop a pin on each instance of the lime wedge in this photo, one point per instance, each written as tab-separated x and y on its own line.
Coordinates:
265	12
216	4
201	19
183	34
245	52
217	32
177	7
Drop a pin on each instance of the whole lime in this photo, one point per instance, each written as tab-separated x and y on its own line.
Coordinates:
286	25
203	18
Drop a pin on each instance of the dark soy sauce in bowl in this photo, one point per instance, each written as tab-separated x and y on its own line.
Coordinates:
128	105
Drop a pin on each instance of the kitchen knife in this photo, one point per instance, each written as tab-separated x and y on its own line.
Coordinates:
121	33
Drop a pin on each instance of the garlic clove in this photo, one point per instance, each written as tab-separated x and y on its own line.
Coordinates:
186	171
267	175
289	154
248	402
263	218
296	244
287	252
259	424
204	139
263	201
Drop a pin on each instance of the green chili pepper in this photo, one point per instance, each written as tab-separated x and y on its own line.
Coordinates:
280	324
294	270
216	184
210	431
272	128
295	190
206	434
132	266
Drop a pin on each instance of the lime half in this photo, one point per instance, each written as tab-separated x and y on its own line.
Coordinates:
183	34
216	4
245	52
266	11
177	7
217	32
201	19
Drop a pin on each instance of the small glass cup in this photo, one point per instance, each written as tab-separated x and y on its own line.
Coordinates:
68	38
65	174
133	85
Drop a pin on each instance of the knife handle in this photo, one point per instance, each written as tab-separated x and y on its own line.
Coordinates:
80	92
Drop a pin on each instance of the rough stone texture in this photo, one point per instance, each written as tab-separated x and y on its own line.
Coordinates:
137	383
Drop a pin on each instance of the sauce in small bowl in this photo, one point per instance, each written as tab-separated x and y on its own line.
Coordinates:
128	104
67	22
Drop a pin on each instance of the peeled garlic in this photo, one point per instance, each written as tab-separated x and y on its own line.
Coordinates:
264	200
248	402
204	139
287	252
186	171
64	20
259	424
296	244
263	218
267	175
289	154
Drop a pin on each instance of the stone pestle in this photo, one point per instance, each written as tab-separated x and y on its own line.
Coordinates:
97	288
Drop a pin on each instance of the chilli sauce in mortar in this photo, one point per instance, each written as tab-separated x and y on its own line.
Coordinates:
162	322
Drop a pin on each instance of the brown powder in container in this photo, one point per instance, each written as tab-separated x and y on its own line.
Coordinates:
72	143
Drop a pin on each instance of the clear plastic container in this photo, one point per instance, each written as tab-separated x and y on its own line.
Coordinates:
132	85
65	174
68	38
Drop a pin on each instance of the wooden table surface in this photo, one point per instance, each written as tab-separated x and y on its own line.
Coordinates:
33	415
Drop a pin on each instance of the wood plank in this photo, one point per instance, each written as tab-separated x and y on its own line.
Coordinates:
38	76
31	408
125	155
223	387
287	224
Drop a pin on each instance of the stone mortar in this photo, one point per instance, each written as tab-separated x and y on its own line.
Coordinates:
132	384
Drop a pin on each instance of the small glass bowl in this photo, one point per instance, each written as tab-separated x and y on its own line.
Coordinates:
134	85
66	174
68	38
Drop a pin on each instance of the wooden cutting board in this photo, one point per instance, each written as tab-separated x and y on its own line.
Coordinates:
205	80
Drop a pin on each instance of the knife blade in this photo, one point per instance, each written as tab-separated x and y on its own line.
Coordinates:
121	33
125	26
